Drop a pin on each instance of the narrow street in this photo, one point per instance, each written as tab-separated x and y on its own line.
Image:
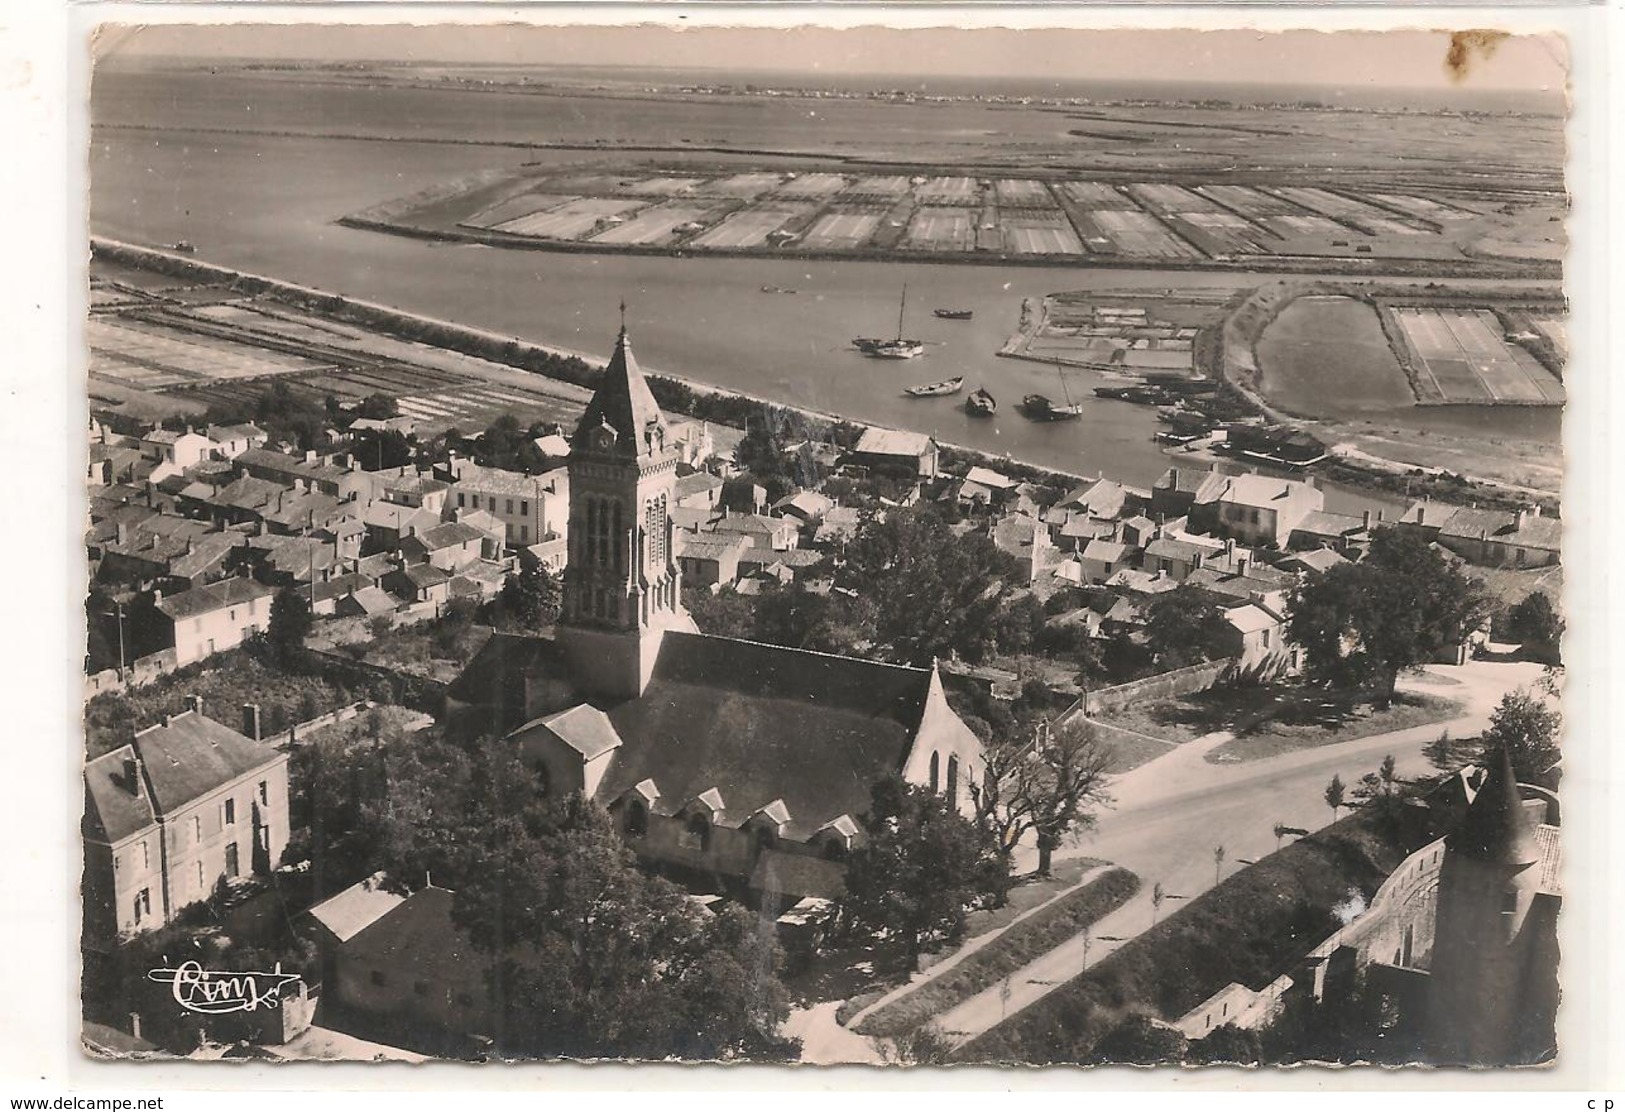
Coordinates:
1169	816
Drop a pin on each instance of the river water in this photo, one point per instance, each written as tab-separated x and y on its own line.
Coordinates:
268	204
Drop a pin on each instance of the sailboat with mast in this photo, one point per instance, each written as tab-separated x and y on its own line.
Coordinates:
1039	408
899	348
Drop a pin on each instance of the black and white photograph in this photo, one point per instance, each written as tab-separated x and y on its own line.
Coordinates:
844	545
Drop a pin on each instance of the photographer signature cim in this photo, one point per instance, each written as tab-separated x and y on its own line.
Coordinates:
212	992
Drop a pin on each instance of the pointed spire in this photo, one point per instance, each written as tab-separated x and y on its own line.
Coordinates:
1495	827
623	405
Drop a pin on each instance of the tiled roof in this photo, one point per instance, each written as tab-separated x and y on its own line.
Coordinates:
1249	619
418	939
494	480
584	728
1108	552
892	442
1257	490
1183	480
1170	548
356	908
686	486
213	596
115	808
1324	523
989	478
764	723
709	548
195	755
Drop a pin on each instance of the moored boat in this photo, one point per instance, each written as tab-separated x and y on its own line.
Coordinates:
953	314
1040	408
981	404
899	348
936	389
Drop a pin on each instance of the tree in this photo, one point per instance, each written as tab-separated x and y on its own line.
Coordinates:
1226	1044
925	1045
935	594
1139	1040
1534	622
1398	608
1183	627
290	623
530	600
1382	791
1051	785
1334	795
1218	864
588	955
1527	728
1158	895
1448	755
378	407
829	622
921	866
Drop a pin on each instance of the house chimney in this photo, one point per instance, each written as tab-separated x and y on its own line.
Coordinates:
1422	514
310	455
251	721
135	1025
1519	518
1381	513
1366	519
132	774
1241	565
194	703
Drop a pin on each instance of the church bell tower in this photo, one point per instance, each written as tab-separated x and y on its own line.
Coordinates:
622	587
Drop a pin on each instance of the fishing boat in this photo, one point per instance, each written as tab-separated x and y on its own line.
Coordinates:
898	348
936	389
1039	408
953	314
981	404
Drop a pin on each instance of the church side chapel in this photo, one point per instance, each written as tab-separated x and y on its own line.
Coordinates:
729	763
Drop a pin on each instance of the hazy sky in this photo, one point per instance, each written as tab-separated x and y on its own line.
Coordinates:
1384	58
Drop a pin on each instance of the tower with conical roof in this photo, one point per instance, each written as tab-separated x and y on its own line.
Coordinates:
622	588
1483	957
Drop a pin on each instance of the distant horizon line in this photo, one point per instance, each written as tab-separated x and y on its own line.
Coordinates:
201	59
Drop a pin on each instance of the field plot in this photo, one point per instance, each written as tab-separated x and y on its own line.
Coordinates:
877	188
1171	198
1468	358
1140	233
750	227
664	186
655	225
589	184
155	358
1293	224
1032	232
843	228
575	218
474	405
950	191
746	187
1424	207
1096	195
942	229
812	186
1248	201
1023	193
1361	215
1223	232
515	208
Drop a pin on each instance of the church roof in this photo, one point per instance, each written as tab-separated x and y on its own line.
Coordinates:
623	403
766	724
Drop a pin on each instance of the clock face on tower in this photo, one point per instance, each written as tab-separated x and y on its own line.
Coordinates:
603	438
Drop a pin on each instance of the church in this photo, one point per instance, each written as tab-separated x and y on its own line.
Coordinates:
727	763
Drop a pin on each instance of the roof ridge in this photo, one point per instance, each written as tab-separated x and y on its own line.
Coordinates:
811	652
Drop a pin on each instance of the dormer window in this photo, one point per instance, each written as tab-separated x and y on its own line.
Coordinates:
637	819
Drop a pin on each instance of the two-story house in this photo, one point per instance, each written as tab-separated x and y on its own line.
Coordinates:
214	617
532	508
187	804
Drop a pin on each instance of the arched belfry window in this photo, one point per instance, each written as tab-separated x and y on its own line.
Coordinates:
637	819
953	781
766	838
936	776
615	540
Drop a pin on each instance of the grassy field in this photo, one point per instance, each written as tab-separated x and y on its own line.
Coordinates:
1249	929
1019	945
1269	721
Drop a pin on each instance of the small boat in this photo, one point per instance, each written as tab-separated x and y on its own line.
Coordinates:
777	289
952	314
936	389
981	404
898	348
185	247
1039	408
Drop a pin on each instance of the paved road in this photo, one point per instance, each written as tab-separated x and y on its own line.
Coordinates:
1172	811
